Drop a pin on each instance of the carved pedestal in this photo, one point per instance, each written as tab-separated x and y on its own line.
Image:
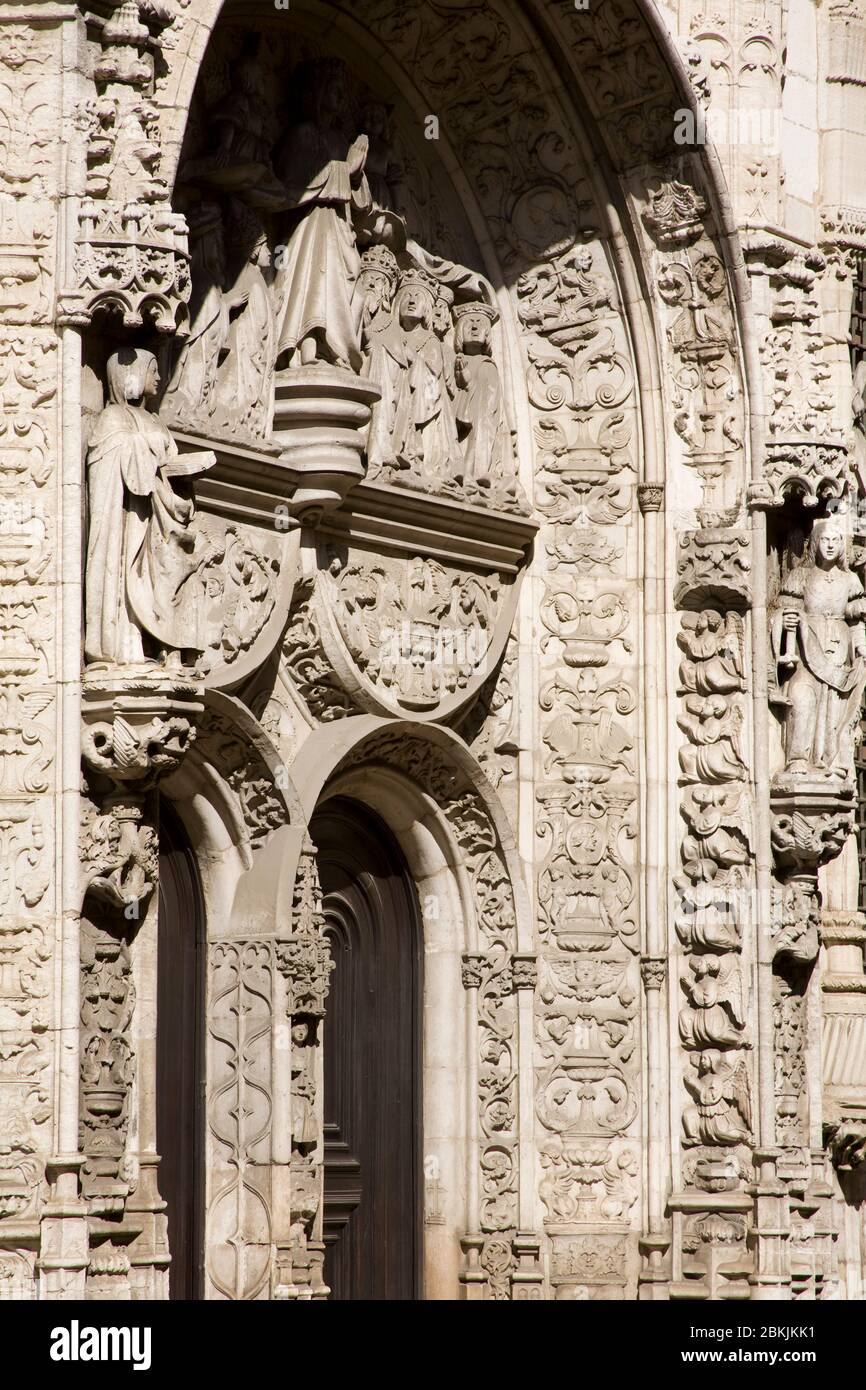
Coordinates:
321	415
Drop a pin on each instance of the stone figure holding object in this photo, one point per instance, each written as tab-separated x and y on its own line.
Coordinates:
819	641
143	548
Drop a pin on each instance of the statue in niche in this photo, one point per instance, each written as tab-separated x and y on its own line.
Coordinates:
480	408
135	156
425	428
305	1131
819	641
240	164
247	359
323	174
222	376
383	349
190	392
143	549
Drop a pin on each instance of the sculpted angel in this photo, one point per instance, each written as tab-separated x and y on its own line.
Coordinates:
722	1109
716	1017
715	751
712	647
819	641
142	549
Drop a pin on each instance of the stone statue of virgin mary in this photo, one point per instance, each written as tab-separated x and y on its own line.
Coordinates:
143	548
320	306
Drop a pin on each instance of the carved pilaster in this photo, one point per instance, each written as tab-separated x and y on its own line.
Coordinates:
131	255
304	960
138	726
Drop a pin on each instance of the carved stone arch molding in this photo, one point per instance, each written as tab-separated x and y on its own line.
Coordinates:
232	794
521	164
480	1229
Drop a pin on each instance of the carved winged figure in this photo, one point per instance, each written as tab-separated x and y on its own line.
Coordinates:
712	647
715	751
716	1017
722	1112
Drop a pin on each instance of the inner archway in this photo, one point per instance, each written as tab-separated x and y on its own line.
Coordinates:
179	1055
372	1058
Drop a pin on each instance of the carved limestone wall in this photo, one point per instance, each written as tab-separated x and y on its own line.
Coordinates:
448	402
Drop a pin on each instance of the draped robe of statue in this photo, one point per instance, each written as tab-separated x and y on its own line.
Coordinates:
385	364
244	373
481	416
190	394
824	691
425	430
317	278
141	547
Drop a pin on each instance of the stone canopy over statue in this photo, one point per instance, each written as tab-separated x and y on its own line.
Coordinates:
143	548
819	642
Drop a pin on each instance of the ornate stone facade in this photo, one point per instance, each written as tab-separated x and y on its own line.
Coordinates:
447	407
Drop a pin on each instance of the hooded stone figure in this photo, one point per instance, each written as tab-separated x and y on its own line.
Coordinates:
142	547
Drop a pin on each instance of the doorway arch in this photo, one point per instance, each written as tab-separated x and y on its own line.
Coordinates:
180	1055
372	1226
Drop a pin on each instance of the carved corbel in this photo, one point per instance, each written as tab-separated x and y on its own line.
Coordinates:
714	566
137	729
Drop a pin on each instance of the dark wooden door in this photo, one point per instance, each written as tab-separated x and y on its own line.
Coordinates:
179	1055
372	1047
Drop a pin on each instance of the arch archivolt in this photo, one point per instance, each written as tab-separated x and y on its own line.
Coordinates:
526	784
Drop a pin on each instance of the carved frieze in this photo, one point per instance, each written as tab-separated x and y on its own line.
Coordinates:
240	1028
304	960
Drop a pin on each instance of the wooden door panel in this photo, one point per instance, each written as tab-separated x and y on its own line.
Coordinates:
371	1039
179	1060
